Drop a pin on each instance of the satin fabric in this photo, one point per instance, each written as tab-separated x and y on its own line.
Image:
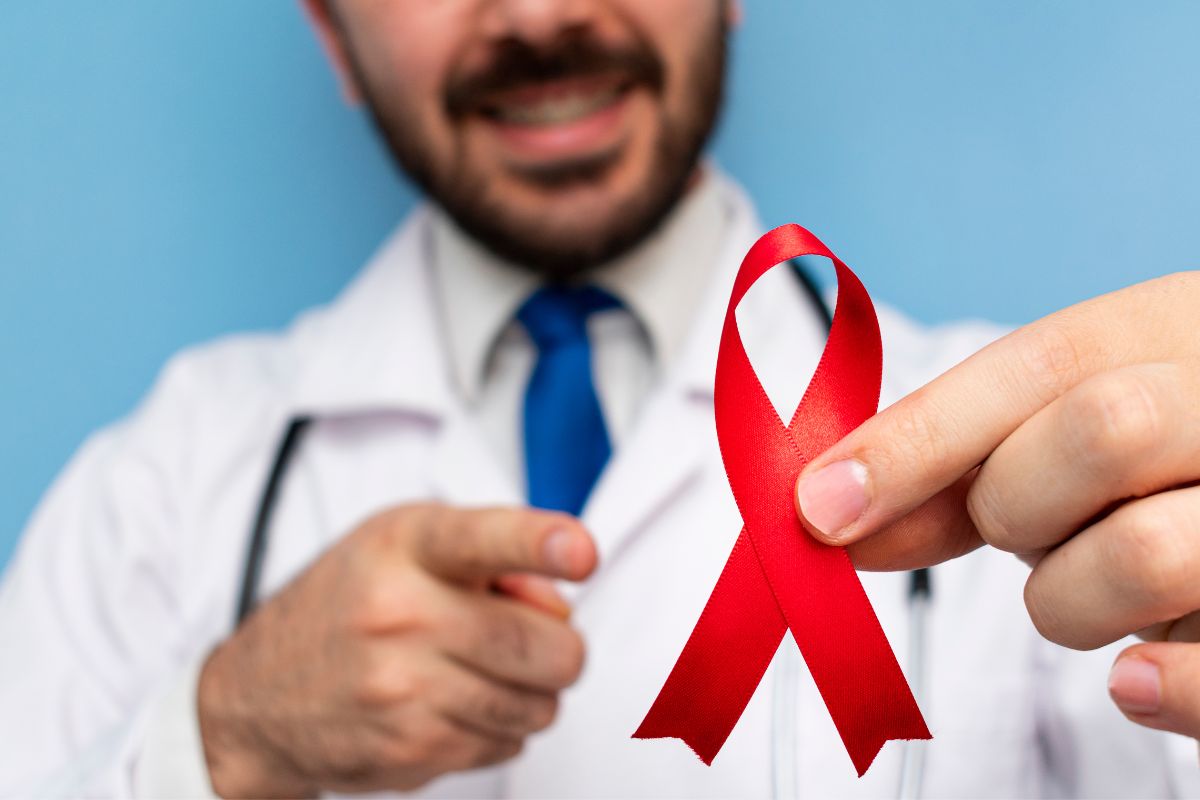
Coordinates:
778	577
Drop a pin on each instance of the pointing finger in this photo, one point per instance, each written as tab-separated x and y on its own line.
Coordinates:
481	544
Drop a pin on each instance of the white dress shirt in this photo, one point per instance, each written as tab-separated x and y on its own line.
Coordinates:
659	284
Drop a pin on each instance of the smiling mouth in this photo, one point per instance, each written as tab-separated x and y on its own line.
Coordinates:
559	131
556	103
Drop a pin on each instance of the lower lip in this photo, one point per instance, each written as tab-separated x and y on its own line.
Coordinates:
597	131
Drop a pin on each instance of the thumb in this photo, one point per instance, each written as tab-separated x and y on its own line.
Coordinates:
1157	684
935	531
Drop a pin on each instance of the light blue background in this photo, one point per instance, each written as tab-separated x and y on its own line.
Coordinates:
173	171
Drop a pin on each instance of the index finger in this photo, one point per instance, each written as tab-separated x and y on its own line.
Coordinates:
480	544
925	443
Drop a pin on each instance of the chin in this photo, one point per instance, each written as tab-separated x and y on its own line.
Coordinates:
563	217
580	221
597	187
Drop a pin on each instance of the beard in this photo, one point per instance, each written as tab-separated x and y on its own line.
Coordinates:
560	251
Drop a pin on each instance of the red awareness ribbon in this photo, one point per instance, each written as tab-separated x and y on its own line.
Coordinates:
779	577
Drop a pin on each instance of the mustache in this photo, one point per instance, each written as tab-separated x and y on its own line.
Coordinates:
517	64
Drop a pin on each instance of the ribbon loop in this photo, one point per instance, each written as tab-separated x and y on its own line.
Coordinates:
778	577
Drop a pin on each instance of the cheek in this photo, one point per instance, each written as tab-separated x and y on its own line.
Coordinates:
664	19
681	32
406	51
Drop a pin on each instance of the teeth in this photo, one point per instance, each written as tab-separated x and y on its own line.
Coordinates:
557	110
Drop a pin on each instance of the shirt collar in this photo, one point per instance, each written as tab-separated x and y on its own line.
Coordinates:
377	346
660	282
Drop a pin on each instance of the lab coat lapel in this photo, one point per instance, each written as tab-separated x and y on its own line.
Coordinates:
379	349
662	452
464	471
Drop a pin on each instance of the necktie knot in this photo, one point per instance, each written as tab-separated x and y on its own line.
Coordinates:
555	316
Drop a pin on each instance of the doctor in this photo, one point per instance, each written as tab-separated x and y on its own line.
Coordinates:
543	334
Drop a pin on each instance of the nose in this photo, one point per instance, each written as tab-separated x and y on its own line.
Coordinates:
536	22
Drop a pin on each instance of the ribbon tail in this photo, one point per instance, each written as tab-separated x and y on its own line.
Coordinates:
724	659
887	712
883	712
845	648
864	748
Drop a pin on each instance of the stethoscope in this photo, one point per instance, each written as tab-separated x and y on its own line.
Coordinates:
784	718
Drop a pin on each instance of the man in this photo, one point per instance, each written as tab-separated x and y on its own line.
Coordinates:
421	628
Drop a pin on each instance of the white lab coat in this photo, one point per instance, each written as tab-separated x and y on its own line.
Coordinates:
129	570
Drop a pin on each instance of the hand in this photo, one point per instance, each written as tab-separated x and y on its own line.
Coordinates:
392	660
1073	442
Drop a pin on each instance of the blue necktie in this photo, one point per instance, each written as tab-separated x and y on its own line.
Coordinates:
566	443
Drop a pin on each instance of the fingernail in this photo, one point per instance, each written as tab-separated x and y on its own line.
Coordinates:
833	497
557	549
1135	685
